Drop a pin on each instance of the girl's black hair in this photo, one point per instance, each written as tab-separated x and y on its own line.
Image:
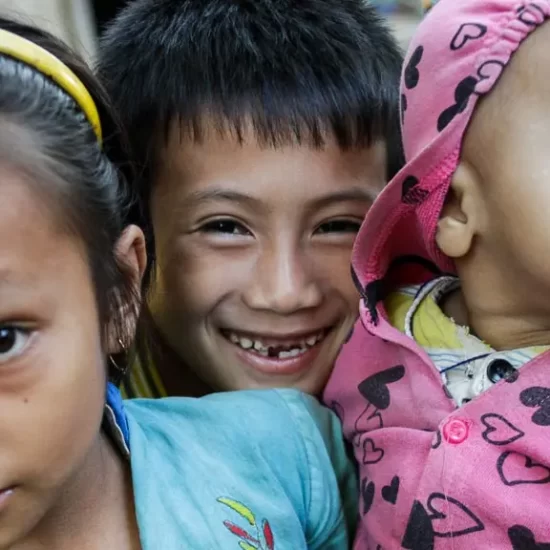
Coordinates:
88	181
298	71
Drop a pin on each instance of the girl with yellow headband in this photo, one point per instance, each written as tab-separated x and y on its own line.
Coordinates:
80	468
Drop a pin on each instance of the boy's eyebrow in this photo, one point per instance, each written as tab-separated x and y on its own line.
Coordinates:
355	194
216	194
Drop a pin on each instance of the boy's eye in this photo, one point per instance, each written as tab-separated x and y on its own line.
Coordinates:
230	227
13	342
339	226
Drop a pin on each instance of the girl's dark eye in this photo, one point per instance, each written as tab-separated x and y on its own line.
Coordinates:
229	227
339	226
13	342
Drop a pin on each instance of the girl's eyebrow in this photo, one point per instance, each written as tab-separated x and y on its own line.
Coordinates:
15	284
9	278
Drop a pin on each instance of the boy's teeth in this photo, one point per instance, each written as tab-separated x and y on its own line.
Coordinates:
262	349
291	353
246	343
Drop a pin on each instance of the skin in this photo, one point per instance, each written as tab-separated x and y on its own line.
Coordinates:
256	241
62	485
495	223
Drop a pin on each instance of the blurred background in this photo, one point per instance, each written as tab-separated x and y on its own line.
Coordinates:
79	22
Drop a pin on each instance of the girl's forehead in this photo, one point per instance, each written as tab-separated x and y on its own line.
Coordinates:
34	254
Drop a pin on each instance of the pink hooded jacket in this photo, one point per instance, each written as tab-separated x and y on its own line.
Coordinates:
434	476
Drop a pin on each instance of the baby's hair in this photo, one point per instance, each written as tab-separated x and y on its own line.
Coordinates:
295	72
48	138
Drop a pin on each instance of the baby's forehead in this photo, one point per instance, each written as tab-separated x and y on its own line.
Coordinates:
526	79
530	67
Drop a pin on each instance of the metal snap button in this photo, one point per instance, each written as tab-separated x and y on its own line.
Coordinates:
499	369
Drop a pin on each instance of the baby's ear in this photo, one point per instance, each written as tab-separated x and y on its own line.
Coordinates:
461	214
132	258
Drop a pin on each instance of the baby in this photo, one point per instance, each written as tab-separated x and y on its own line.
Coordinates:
444	385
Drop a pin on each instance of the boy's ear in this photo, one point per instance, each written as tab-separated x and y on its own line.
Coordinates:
131	255
461	214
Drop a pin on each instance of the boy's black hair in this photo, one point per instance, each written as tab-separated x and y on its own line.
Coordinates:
296	70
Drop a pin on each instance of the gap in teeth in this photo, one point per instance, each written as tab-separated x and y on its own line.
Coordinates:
281	352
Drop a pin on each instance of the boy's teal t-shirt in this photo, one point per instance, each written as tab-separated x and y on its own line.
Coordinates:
250	470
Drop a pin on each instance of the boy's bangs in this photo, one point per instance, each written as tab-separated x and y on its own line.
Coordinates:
310	120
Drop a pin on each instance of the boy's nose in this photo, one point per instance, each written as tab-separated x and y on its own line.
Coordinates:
283	283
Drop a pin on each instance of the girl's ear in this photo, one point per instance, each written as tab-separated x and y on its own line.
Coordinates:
131	255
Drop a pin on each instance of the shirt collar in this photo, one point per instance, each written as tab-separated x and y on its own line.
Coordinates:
115	419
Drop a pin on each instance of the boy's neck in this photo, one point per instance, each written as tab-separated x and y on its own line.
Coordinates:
496	309
95	510
178	379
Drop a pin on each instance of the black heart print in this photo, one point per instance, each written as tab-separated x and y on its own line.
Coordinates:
425	525
531	14
390	492
537	397
517	469
410	193
487	73
375	388
490	70
371	453
523	538
466	33
463	91
368	421
419	534
367	494
374	422
412	74
498	430
459	520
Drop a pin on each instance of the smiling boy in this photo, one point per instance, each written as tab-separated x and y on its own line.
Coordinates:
264	130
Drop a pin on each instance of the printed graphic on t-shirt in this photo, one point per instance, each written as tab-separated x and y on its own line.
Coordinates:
256	535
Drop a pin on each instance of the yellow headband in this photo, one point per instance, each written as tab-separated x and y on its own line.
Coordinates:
30	53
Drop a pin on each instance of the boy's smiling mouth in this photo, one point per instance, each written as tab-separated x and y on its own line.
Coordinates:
277	354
